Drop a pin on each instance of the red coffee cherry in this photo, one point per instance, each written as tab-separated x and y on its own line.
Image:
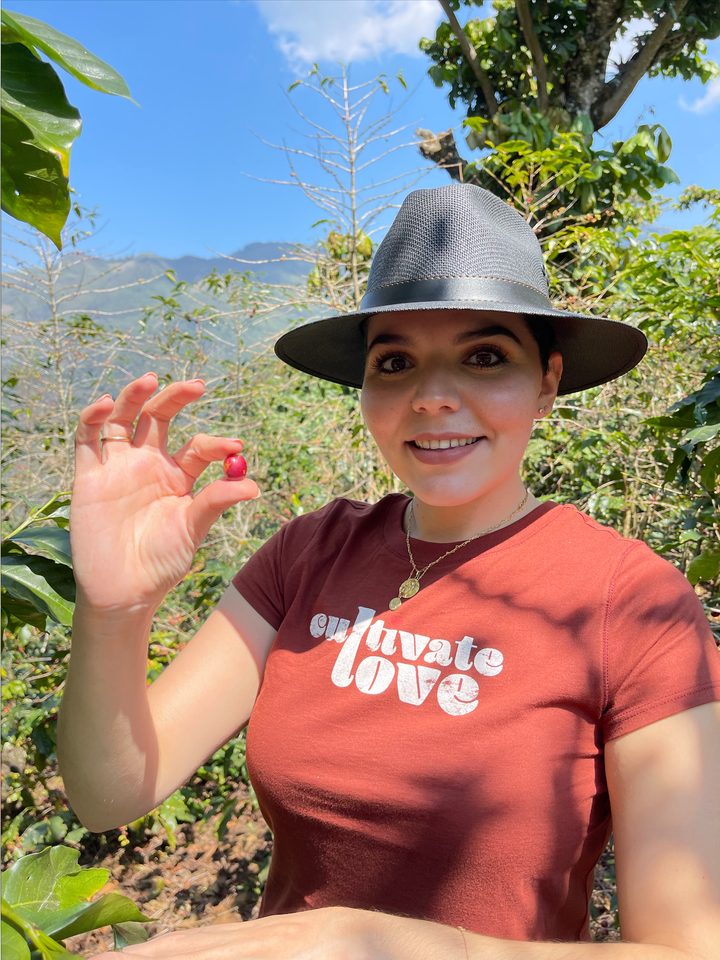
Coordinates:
234	467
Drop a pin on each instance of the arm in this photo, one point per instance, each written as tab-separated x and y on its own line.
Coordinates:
664	783
135	525
123	746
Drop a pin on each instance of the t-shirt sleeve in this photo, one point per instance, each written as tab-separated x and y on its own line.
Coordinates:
266	579
660	656
260	581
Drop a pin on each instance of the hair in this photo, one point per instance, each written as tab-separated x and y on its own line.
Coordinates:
544	336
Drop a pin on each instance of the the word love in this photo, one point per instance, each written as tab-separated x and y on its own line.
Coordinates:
456	693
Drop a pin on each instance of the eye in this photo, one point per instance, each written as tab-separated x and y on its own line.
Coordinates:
391	363
487	357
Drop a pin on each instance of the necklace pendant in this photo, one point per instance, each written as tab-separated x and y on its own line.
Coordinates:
409	588
395	603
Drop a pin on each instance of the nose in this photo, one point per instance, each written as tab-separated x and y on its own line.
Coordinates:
435	392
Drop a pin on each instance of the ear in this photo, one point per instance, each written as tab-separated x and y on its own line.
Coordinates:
549	385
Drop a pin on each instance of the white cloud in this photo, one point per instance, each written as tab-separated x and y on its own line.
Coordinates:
314	30
707	102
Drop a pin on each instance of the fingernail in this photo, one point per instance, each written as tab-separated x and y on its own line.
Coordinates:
198	380
235	440
150	373
105	396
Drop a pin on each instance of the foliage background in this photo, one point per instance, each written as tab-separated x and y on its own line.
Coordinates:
640	454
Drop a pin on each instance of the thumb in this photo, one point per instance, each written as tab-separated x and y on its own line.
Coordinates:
215	499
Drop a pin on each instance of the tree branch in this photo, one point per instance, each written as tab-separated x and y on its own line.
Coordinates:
620	88
472	58
533	44
441	149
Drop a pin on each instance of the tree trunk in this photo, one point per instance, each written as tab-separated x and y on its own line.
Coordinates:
584	80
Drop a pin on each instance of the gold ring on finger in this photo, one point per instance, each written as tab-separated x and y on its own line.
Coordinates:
124	439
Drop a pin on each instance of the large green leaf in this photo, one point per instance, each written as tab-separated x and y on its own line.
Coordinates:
44	945
68	53
31	881
32	92
110	909
710	469
701	434
54	542
705	566
14	944
20	611
81	885
34	188
50	891
47	585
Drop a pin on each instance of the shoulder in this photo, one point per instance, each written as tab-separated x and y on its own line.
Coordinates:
611	562
600	542
336	522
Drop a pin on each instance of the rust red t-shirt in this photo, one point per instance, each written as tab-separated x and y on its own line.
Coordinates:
446	761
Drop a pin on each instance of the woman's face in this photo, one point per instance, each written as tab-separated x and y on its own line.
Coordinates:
450	398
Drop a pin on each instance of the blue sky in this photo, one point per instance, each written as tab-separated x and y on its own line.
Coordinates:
168	175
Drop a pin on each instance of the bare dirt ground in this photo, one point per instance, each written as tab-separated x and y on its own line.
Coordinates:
203	881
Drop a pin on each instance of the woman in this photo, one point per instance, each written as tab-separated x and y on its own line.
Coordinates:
457	687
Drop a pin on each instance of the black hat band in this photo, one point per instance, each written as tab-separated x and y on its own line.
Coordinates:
439	289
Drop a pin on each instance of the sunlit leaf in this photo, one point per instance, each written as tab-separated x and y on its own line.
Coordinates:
68	53
34	187
53	542
33	93
14	945
47	585
706	566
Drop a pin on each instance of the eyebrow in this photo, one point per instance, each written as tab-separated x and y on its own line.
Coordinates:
494	330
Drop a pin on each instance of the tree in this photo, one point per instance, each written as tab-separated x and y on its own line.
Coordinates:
553	56
39	124
344	155
538	69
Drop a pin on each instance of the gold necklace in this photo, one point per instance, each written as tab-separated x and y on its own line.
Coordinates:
409	587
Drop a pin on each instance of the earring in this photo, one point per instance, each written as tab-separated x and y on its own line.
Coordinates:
542	409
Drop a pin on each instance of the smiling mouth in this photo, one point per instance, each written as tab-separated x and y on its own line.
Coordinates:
444	444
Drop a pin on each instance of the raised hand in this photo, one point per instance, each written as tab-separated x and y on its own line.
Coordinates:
134	523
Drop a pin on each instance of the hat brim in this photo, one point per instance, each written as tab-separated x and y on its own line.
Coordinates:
594	350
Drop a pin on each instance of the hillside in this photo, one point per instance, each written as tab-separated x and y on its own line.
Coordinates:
118	290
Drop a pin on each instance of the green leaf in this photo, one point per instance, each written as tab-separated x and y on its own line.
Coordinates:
671	422
14	944
32	880
32	92
75	887
34	188
129	933
710	470
664	145
701	434
53	542
171	812
68	53
706	566
44	945
20	611
61	924
47	585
